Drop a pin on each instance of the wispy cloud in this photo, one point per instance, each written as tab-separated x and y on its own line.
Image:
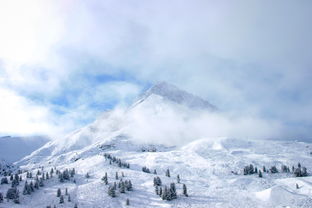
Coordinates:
252	58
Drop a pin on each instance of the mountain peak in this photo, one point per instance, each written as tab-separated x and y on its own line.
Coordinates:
173	93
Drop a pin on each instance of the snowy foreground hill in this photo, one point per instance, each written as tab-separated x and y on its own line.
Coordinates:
211	168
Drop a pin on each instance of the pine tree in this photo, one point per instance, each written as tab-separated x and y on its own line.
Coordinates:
4	180
155	172
127	202
111	191
66	191
172	191
178	178
87	175
36	184
26	189
20	178
185	190
297	186
165	194
11	178
260	174
31	186
69	199
61	199
1	197
122	188
157	190
160	191
76	205
116	176
59	193
168	173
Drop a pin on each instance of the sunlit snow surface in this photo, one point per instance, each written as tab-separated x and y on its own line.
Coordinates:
205	166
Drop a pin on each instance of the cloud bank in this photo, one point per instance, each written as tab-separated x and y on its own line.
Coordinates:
74	59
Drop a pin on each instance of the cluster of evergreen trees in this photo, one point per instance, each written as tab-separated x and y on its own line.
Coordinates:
61	196
298	172
122	185
12	193
165	192
113	159
66	174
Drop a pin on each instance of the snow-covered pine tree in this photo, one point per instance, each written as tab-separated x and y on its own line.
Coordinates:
172	191
111	191
178	178
61	199
168	173
36	184
260	174
122	188
165	194
59	192
157	190
69	199
31	186
4	180
116	176
185	190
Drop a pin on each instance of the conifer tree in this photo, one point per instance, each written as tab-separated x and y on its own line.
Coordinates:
1	197
185	190
168	173
127	202
178	178
116	176
260	174
66	191
122	188
111	191
69	199
59	193
31	186
155	172
76	205
157	190
297	186
172	192
61	199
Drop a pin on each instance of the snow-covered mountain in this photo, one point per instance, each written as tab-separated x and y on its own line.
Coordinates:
157	133
163	104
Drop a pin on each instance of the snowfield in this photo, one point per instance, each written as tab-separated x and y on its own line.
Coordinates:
205	169
211	168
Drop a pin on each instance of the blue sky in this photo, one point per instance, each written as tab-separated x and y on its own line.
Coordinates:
62	63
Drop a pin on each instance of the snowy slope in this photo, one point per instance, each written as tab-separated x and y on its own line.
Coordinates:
205	166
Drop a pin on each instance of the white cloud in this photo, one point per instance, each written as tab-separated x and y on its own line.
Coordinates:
239	55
